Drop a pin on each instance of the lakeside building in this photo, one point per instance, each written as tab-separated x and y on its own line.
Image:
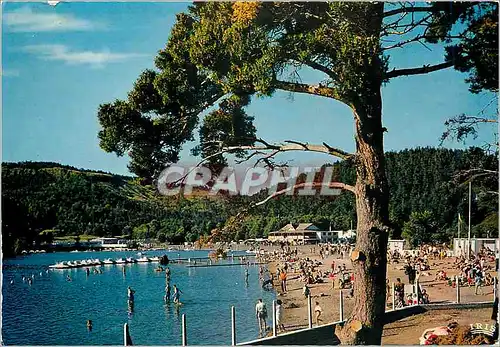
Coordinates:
308	233
303	233
109	242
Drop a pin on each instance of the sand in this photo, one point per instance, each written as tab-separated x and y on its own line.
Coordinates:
295	304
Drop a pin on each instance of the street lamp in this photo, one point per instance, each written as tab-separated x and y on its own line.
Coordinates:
470	203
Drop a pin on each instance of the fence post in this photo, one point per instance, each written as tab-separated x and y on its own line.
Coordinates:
341	305
309	311
127	340
184	332
274	318
233	326
458	289
494	288
393	296
416	288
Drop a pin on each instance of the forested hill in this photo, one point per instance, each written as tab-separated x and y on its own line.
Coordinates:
44	200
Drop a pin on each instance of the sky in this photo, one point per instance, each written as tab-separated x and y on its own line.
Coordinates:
59	63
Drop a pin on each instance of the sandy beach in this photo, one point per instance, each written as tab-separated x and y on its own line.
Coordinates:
295	303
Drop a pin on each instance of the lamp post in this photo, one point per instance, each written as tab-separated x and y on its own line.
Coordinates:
470	204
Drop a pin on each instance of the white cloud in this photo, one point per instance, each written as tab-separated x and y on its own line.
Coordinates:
25	20
64	54
9	73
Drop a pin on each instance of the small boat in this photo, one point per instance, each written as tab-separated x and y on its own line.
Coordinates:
74	264
131	260
83	263
143	260
155	259
108	261
120	261
96	262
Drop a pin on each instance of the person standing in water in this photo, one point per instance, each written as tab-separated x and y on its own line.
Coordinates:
167	293
130	294
261	314
177	294
246	276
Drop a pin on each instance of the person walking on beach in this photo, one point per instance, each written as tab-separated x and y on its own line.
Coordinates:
279	316
306	291
318	310
283	281
261	314
478	281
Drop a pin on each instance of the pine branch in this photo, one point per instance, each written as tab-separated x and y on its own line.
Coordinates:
279	148
418	70
318	90
410	10
307	185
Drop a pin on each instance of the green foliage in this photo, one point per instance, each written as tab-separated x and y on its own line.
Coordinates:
41	200
222	53
420	228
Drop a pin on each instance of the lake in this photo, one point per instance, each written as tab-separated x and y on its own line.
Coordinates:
54	311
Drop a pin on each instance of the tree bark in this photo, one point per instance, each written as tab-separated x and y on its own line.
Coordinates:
369	258
365	325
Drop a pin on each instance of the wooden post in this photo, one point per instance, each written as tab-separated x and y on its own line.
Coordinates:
458	289
393	296
309	311
341	305
494	288
184	332
416	288
127	340
233	326
274	318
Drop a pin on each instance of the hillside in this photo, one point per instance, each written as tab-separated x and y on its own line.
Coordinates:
67	201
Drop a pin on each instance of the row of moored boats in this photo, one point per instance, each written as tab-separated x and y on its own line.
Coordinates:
97	262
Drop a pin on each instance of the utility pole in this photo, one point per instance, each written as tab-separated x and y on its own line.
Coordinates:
470	204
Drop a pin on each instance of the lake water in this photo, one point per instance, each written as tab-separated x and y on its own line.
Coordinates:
54	311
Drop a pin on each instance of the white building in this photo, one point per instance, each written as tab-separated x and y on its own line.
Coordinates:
394	245
460	245
327	236
344	235
109	242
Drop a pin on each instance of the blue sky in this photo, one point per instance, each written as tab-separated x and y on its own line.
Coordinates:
59	63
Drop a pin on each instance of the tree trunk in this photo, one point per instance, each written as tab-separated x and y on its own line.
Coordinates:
369	257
